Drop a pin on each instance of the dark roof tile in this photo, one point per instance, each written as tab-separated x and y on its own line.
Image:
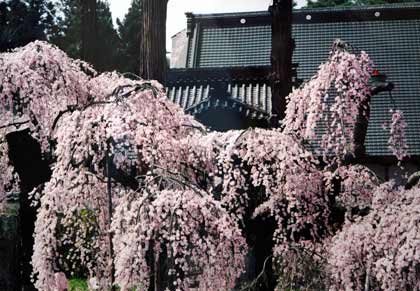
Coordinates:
391	38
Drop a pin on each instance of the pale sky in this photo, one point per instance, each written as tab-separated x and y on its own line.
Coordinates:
177	8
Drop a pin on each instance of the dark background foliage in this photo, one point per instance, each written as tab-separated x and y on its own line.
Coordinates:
60	22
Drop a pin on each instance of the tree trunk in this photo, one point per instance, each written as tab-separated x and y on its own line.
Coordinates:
360	128
10	248
26	157
153	40
89	33
281	57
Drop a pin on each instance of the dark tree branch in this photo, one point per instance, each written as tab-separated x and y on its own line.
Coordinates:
17	124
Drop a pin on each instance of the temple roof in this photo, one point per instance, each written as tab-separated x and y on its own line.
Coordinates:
246	90
390	34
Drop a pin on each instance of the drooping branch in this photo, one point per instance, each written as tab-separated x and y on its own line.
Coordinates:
14	124
191	193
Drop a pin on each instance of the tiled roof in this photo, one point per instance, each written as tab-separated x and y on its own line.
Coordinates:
357	9
390	34
247	91
221	47
251	99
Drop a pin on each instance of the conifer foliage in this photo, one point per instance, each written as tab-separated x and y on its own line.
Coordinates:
24	21
129	30
102	41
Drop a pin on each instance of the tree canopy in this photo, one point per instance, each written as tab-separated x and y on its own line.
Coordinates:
23	22
129	31
145	197
69	36
119	48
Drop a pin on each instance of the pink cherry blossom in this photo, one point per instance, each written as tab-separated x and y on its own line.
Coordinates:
61	283
137	184
397	141
381	250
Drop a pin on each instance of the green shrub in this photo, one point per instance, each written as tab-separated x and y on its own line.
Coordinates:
78	285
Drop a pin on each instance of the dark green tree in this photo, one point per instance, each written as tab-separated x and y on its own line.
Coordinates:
70	36
129	31
24	21
89	49
108	39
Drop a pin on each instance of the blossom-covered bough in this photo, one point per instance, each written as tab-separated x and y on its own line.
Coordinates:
380	251
143	196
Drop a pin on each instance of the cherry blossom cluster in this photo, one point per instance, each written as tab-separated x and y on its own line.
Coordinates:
140	190
89	119
191	231
382	249
38	82
397	141
357	186
334	97
285	176
64	198
119	129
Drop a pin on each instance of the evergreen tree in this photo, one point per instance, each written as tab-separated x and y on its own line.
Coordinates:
69	38
129	31
24	21
108	39
89	43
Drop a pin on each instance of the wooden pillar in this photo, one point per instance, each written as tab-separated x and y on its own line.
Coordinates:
281	57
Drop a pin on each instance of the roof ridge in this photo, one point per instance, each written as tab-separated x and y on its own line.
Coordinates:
361	7
406	5
230	14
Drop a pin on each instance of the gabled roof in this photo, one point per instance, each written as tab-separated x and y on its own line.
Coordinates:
390	34
246	90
